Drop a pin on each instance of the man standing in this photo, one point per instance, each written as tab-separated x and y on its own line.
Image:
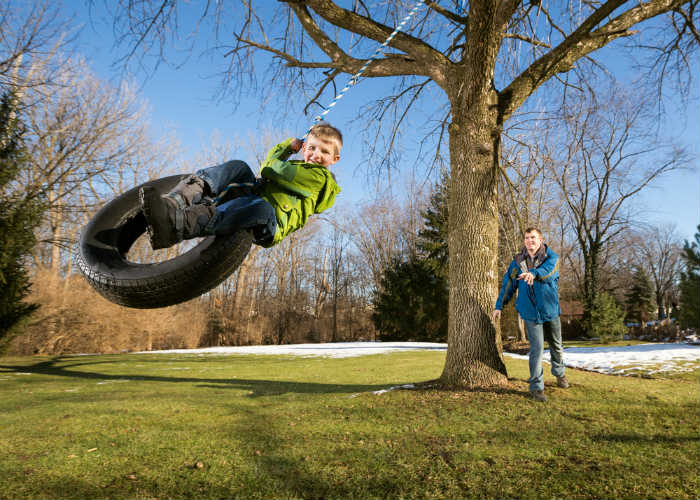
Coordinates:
534	272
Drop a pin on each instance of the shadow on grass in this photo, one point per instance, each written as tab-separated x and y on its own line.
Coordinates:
288	467
284	464
256	387
652	439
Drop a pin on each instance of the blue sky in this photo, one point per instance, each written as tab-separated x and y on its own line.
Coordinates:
182	99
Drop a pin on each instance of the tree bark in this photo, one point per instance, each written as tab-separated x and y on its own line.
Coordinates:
660	309
56	228
322	289
241	290
590	287
522	333
474	354
474	348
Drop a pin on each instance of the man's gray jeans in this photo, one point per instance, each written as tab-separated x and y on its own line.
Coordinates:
536	334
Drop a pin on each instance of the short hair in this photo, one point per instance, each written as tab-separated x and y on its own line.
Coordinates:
328	133
533	230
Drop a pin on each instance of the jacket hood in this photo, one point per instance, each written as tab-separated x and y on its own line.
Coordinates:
326	196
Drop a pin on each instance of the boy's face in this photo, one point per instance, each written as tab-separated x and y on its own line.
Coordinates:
319	152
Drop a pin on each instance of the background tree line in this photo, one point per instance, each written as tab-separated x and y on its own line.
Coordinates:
574	174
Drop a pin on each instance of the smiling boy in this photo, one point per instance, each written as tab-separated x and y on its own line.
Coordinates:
288	193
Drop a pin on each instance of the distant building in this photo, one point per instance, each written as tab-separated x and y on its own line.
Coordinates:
571	309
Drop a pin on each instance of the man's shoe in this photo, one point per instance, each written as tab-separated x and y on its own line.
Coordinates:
538	396
169	220
562	382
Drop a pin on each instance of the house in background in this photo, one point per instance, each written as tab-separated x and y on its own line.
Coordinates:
571	310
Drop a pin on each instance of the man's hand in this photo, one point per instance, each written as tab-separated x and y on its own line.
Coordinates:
296	145
496	315
528	277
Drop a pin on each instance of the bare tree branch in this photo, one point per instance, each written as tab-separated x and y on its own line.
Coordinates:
527	39
378	32
603	167
447	13
581	42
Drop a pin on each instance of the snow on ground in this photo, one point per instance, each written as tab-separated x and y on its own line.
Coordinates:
334	350
621	360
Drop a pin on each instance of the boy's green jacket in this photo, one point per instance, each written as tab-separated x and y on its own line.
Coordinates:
295	189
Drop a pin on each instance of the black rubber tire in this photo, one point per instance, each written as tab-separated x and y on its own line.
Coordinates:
106	239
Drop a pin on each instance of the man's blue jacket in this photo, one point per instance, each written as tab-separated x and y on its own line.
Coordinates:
539	302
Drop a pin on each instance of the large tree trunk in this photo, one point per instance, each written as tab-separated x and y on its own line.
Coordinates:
322	289
474	347
56	217
239	311
590	287
661	310
522	335
474	356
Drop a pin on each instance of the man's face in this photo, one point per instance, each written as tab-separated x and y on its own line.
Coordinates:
532	241
319	152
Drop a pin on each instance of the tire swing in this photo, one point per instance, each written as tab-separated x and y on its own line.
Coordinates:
106	240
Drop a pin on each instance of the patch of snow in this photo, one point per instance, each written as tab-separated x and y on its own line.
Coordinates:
613	359
396	387
331	350
622	359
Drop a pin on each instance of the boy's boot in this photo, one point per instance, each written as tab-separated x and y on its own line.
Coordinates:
189	191
169	222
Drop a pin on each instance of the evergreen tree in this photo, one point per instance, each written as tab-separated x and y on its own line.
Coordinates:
607	318
432	239
690	285
20	214
412	303
640	298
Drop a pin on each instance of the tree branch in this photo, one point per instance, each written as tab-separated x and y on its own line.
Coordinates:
330	79
447	13
434	63
577	45
316	33
527	39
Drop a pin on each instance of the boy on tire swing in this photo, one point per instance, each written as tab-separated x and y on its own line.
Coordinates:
290	192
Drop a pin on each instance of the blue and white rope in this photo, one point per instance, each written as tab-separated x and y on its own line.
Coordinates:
353	80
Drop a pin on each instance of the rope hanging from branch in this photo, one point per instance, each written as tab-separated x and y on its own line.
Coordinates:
353	80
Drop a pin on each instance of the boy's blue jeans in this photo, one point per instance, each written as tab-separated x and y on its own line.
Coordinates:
243	212
536	334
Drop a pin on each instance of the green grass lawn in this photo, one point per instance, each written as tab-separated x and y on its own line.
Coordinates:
190	426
